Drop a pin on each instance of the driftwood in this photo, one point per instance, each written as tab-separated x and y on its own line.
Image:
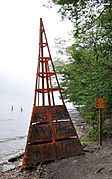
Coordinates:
91	150
13	159
100	169
39	171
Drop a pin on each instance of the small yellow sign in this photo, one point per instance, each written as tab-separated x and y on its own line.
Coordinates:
100	103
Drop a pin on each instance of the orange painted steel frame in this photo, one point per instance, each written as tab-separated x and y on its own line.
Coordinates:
51	133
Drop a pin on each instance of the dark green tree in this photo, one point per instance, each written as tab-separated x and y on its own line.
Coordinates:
87	73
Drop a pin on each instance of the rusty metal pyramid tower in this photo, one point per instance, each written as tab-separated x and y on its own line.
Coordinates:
51	133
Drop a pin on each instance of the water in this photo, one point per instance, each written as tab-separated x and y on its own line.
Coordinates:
13	124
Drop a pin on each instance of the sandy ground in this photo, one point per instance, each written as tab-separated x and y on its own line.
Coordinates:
95	164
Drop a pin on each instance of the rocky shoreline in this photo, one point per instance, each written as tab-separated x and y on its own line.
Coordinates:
95	164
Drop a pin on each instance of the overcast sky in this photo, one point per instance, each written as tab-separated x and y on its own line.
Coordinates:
19	31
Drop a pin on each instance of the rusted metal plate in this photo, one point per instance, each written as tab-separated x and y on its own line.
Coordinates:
40	114
60	112
48	113
39	117
64	130
51	151
68	147
38	153
39	133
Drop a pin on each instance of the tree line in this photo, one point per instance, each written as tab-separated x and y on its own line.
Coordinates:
87	72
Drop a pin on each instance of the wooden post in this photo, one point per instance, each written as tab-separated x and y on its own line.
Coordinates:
100	126
100	104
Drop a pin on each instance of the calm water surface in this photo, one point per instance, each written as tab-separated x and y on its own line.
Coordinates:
13	124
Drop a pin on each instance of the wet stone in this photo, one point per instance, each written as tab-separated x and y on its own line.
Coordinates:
7	167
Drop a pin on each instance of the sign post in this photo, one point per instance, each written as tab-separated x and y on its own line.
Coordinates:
100	104
100	126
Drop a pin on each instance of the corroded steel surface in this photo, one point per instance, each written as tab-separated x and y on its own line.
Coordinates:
64	130
39	133
51	133
68	147
51	151
42	113
51	136
38	153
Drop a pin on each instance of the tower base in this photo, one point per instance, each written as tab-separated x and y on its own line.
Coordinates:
51	136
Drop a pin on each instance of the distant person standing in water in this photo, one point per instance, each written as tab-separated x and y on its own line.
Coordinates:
12	108
21	109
